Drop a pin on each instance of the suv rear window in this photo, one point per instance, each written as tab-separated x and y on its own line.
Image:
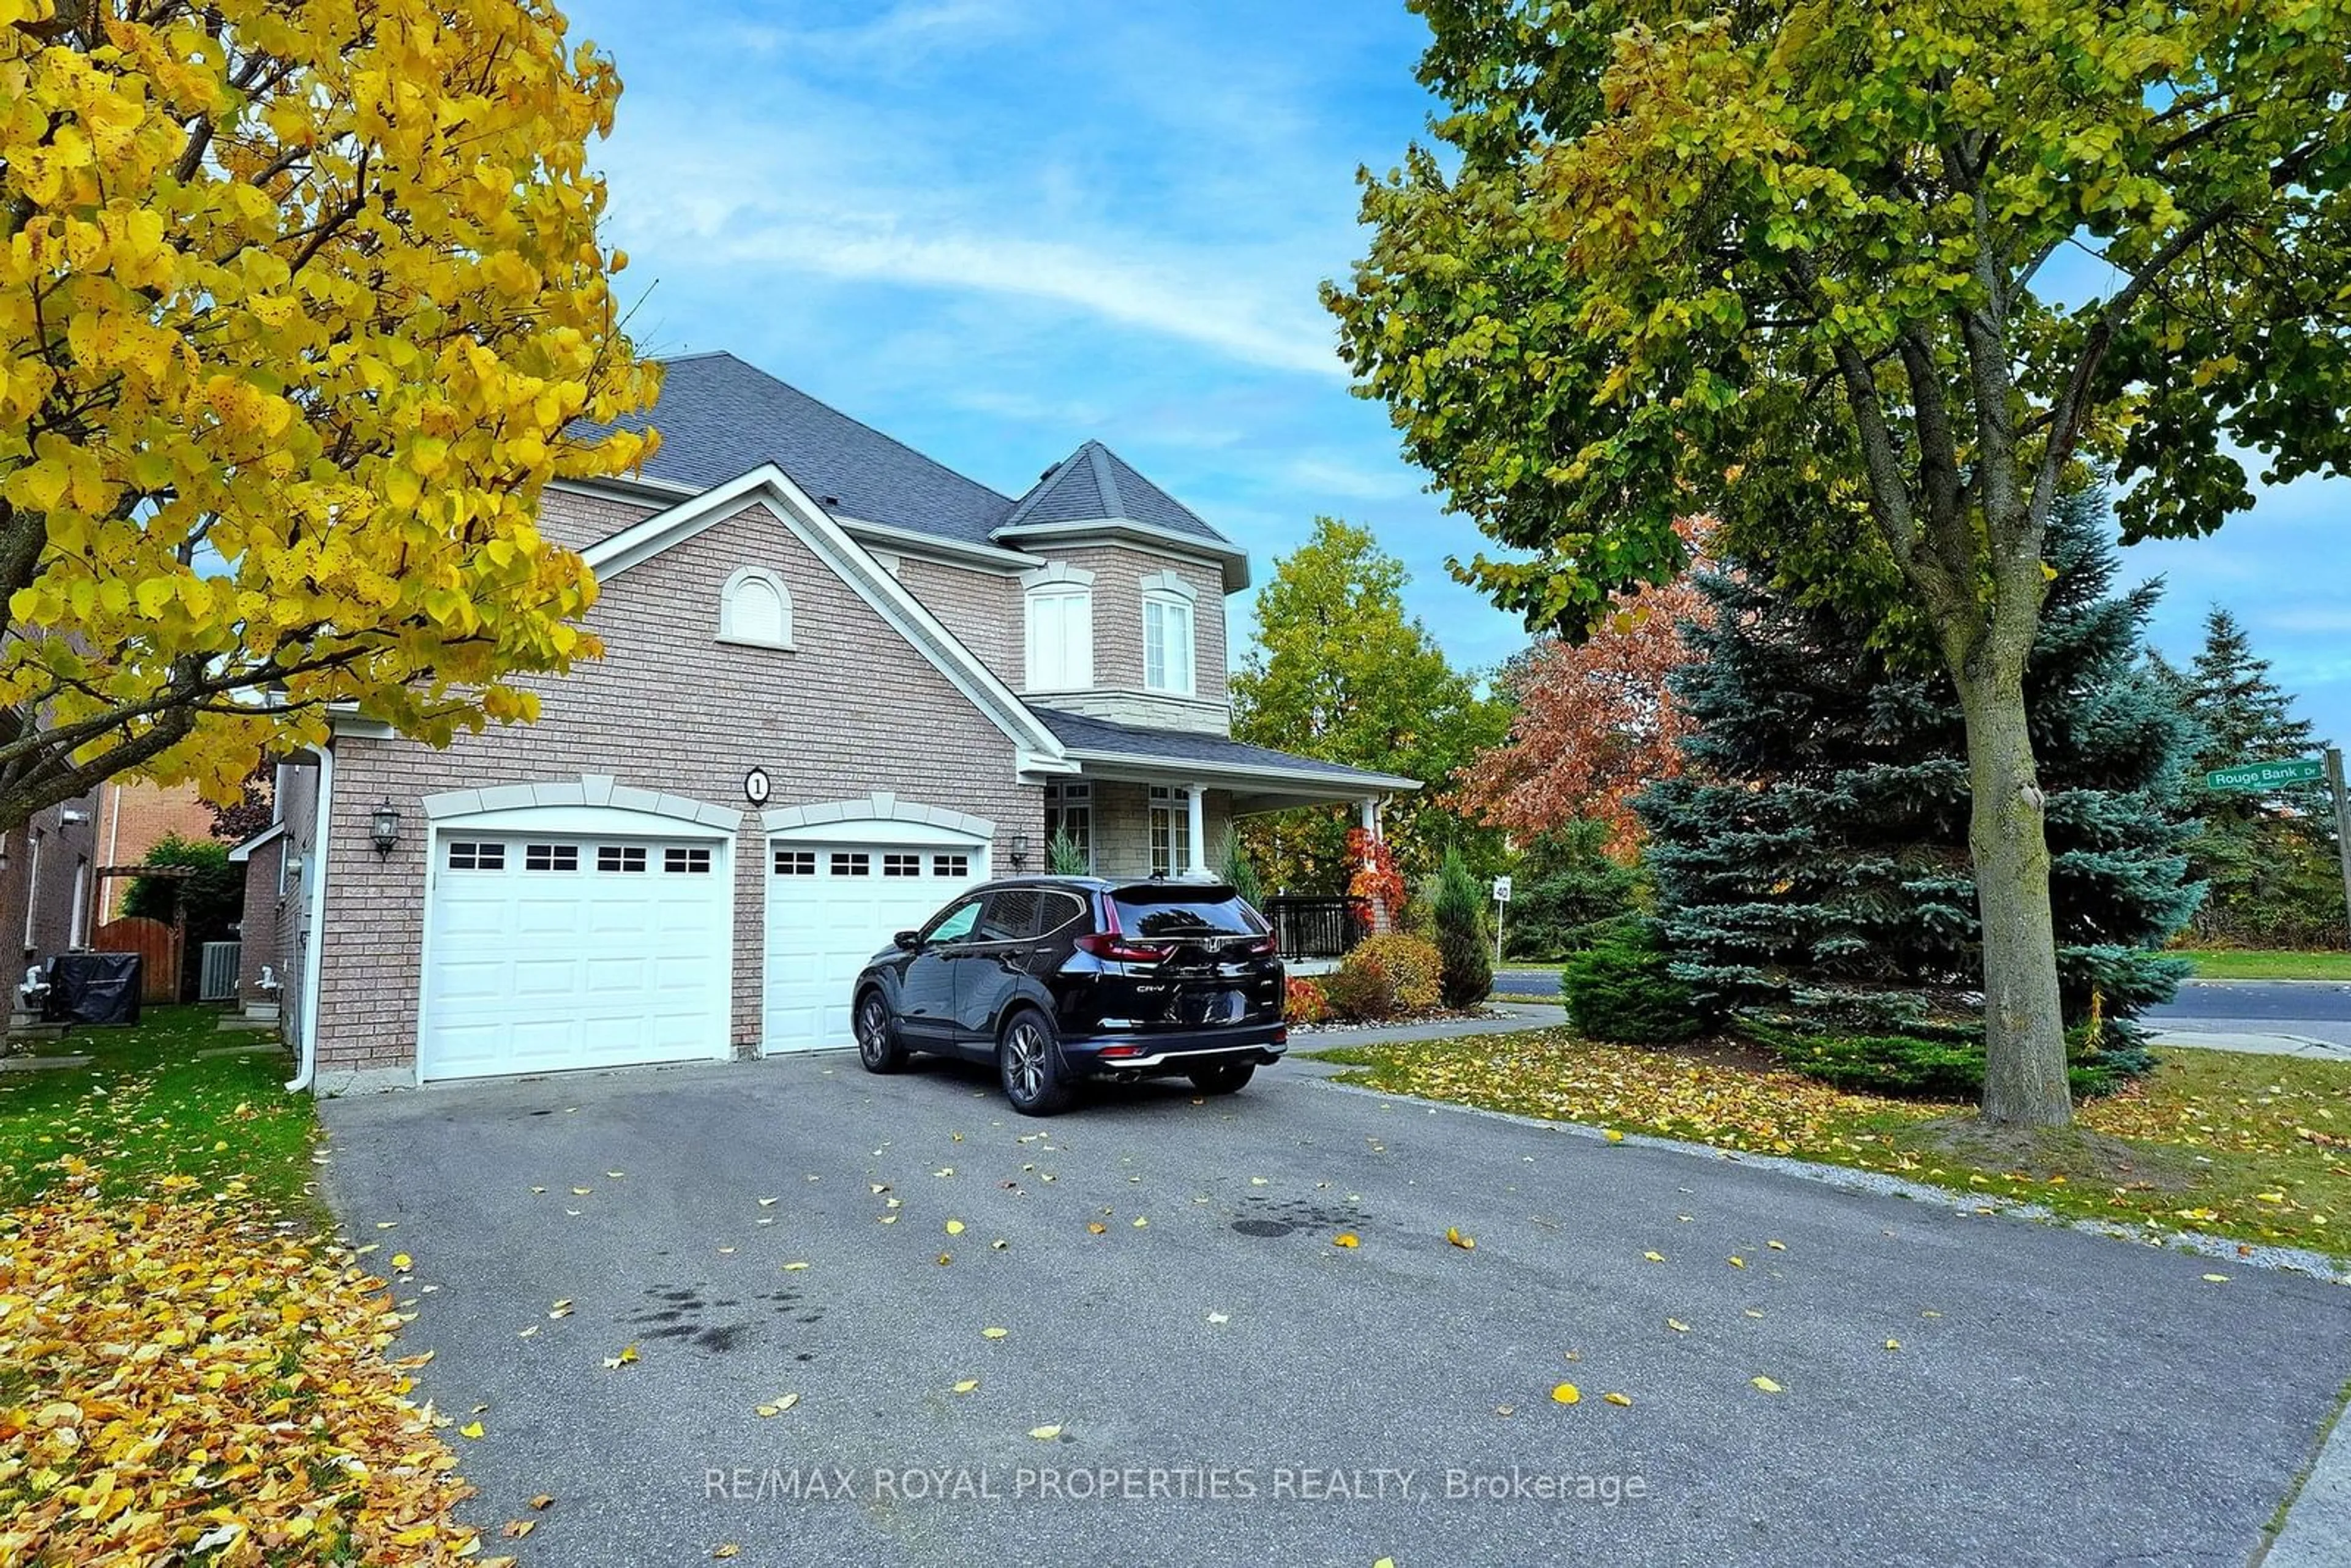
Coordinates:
1178	912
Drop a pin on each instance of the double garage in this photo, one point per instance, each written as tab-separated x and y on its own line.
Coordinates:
560	937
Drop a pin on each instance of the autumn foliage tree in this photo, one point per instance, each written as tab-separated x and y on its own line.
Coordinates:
297	301
1805	266
1592	724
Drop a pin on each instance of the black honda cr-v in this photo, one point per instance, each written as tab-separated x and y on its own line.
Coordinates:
1061	979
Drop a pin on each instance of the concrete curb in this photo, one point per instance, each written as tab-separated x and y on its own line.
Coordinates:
2317	1531
2285	1260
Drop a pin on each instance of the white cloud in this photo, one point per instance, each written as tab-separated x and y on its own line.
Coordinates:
1329	477
1178	297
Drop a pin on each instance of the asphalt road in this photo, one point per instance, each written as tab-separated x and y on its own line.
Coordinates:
2056	1397
2315	1010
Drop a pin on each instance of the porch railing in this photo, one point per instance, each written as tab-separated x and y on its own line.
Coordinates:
1315	927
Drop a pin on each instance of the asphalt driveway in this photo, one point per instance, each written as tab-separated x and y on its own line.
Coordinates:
1230	1386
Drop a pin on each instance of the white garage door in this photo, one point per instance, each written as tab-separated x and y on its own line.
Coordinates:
551	951
830	908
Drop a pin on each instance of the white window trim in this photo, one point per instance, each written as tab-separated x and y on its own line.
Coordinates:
1172	592
729	632
1063	582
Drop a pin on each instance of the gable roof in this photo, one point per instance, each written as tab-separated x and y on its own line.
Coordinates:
720	417
1094	484
1036	747
1101	739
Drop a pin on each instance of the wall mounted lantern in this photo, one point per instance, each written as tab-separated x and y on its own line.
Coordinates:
386	831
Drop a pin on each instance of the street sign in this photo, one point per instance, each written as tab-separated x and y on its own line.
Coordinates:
2259	775
1502	890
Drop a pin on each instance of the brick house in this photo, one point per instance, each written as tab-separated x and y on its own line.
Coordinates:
133	817
48	879
841	683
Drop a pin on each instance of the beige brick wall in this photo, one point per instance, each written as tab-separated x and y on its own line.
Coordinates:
982	609
576	520
853	709
1119	571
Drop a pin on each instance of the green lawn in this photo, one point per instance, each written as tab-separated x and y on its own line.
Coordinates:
2254	1148
146	1107
2253	964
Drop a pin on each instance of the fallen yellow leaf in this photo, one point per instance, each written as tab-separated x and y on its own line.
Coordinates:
967	1385
955	1228
1738	1262
993	1333
2218	1279
1614	1136
727	1550
1098	1228
1893	1344
470	1430
515	1529
1346	1238
1677	1325
946	1258
628	1353
1617	1398
1777	1246
1045	1433
400	1260
543	1501
1655	1256
1466	1244
1766	1384
1567	1393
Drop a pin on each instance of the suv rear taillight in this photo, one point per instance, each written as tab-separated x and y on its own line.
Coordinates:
1266	946
1109	944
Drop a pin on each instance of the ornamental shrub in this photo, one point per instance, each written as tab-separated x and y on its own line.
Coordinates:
1302	1001
1459	908
1361	990
1623	990
1413	968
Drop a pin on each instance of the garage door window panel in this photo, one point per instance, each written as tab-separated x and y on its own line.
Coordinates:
623	858
551	857
477	855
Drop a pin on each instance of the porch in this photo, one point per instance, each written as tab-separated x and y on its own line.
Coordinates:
1152	802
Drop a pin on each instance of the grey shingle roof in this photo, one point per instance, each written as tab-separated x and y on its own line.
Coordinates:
720	417
1094	484
1083	732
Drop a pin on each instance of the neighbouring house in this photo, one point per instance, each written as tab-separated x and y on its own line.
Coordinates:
134	817
841	683
47	877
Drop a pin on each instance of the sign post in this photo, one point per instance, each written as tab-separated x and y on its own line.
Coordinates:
2257	778
1502	901
2342	818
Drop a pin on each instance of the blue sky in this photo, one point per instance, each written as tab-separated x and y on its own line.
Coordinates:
996	227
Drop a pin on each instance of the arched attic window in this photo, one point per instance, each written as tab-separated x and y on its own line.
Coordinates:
756	608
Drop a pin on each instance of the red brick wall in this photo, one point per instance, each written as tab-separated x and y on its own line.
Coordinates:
133	819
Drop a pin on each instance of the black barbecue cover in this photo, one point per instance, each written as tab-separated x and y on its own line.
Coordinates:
93	987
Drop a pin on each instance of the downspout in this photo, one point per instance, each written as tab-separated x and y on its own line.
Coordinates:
321	823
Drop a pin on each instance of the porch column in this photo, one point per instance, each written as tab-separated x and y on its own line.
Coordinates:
1196	832
1370	807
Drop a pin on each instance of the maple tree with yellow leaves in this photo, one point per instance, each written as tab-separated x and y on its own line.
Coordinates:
299	303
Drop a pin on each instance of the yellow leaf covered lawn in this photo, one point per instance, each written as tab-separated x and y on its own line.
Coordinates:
2257	1148
178	1378
1713	1098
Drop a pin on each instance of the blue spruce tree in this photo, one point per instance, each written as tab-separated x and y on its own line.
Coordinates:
1813	866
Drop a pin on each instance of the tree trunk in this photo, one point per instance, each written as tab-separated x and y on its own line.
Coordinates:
2024	1021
